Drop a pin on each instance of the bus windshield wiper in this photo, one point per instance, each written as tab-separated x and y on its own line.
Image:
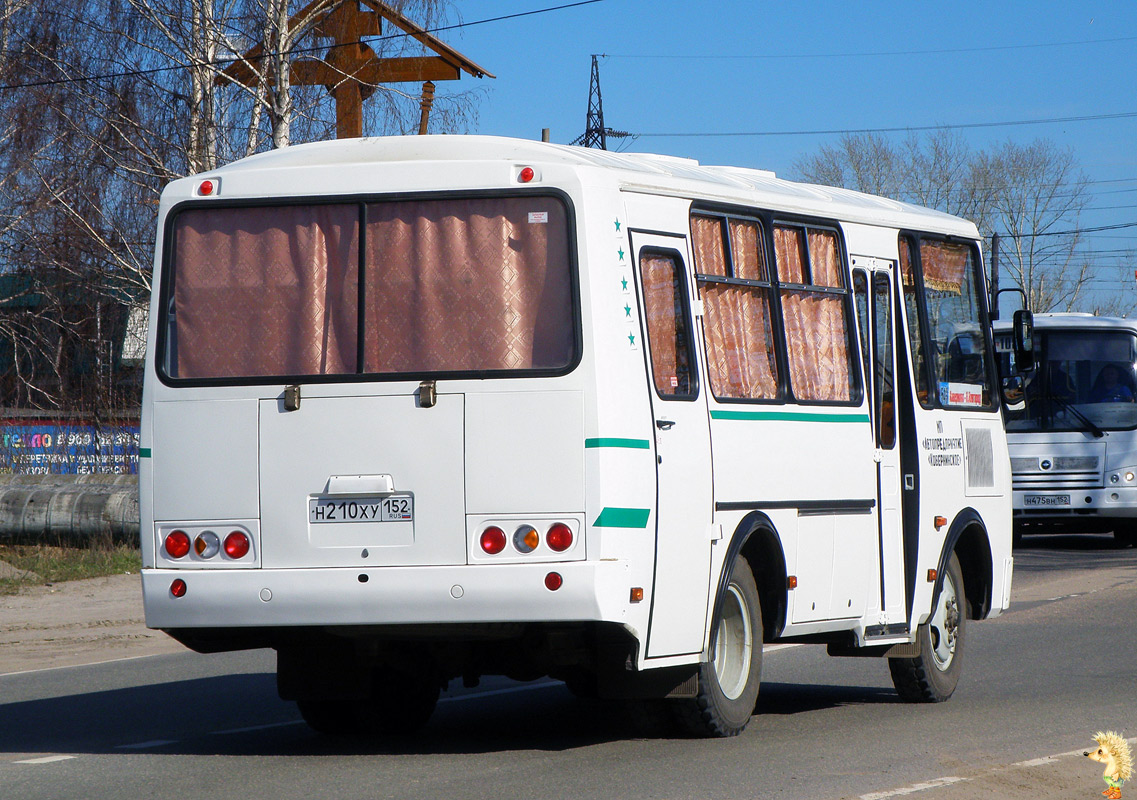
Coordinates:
1086	421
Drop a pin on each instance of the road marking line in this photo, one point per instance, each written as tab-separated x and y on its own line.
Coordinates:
252	728
919	787
145	745
1035	762
44	760
916	787
80	666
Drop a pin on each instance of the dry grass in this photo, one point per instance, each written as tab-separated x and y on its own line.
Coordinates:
30	565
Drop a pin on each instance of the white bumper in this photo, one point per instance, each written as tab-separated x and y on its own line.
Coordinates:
389	595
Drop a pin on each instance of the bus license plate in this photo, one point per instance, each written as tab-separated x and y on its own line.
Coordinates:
390	508
1046	500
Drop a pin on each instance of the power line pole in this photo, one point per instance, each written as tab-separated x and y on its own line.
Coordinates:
595	132
995	275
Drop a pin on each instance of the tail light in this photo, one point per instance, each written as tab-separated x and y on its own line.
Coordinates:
207	544
493	540
177	544
178	588
553	581
237	545
526	539
559	537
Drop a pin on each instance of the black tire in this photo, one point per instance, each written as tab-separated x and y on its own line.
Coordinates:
399	703
729	682
931	677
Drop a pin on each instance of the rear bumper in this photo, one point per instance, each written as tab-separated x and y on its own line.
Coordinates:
591	591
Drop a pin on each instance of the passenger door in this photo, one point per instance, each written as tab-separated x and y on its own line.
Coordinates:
684	502
874	277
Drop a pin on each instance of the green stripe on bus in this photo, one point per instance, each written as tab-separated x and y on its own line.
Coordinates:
789	416
631	444
144	452
623	518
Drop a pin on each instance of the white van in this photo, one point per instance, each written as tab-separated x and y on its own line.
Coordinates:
434	407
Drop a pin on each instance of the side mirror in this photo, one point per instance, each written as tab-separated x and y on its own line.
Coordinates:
1024	341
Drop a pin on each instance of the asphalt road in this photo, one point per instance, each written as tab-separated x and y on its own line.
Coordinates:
1037	683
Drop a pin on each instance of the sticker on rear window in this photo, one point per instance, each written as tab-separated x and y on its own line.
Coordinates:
538	217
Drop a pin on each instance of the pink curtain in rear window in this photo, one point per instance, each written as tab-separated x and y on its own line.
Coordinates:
477	284
816	328
265	291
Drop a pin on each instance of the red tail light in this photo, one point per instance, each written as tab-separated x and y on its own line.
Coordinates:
553	581
177	544
178	588
559	537
493	540
236	545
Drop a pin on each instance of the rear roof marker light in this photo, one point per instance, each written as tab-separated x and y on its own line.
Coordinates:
526	175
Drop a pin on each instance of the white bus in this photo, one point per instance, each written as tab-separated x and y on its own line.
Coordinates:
1073	433
431	408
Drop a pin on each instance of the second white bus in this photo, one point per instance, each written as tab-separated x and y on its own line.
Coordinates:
428	408
1073	433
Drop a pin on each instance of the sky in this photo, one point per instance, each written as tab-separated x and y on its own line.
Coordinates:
784	68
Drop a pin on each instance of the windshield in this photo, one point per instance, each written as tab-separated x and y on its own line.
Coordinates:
404	288
1084	380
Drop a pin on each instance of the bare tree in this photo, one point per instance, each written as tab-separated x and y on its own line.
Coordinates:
105	103
1039	196
1032	195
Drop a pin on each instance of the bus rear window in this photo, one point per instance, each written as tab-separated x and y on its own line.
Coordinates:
402	288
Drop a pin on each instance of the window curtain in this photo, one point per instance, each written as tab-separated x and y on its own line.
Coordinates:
736	318
740	342
476	284
707	240
815	322
944	266
666	325
265	291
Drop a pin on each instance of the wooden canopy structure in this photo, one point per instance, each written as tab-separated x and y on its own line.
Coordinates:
351	70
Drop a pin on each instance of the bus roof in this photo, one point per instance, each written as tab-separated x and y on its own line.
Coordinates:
633	172
1081	320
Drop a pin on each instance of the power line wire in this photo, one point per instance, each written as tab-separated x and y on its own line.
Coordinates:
867	54
899	129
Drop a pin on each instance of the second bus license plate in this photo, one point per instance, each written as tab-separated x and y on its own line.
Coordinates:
1046	500
389	508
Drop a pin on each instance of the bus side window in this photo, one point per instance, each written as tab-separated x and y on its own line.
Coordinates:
861	300
814	313
668	328
734	285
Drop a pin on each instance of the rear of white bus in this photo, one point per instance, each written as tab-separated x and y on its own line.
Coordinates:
363	439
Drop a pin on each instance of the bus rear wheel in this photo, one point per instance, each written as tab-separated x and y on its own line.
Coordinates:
729	681
931	677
